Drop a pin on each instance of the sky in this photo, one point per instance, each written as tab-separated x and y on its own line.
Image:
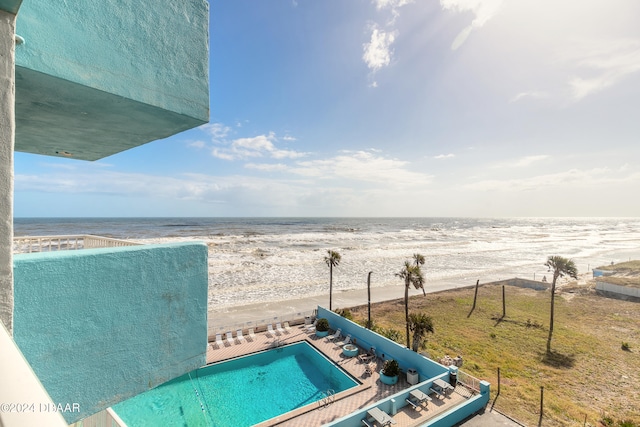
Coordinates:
467	108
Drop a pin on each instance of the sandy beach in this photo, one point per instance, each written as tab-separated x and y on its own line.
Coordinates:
229	318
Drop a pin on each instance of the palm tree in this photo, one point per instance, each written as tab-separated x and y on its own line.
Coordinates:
561	267
418	259
412	275
332	260
420	324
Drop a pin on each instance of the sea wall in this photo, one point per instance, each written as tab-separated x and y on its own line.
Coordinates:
617	291
101	325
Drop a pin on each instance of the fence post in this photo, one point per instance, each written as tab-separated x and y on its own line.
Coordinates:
498	380
504	304
541	404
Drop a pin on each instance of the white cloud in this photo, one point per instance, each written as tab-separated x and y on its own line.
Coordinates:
445	156
483	11
519	163
257	146
197	144
573	178
530	94
365	167
393	4
604	63
267	167
377	53
216	130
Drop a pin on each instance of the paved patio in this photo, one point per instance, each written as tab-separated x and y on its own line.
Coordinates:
371	389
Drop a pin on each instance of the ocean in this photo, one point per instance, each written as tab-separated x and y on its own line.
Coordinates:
254	260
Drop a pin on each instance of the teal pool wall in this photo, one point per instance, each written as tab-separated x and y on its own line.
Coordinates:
101	325
392	404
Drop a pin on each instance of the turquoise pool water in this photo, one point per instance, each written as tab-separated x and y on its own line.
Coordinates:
240	392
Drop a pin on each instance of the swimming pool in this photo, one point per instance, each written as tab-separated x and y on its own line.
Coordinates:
239	392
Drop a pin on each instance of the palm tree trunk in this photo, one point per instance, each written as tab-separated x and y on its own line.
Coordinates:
406	309
553	299
330	284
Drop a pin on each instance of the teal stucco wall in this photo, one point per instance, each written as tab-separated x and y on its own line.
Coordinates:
97	77
101	325
151	51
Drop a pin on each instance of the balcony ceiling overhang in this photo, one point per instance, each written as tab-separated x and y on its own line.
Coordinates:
98	77
10	6
55	117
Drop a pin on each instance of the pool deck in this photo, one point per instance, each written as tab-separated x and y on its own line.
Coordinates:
370	391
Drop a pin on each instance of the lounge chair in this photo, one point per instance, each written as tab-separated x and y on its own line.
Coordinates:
367	423
335	336
239	336
219	342
311	327
270	331
287	328
229	337
279	329
346	341
252	335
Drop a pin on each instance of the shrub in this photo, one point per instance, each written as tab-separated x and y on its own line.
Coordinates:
626	346
344	312
322	325
391	368
392	334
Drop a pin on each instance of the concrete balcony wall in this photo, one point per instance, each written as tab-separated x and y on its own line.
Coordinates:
97	77
101	325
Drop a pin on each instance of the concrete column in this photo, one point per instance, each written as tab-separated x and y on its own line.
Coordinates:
7	139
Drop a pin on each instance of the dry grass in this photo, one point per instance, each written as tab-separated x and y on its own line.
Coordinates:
588	374
627	267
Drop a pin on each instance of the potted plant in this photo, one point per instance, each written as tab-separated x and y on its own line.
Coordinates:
322	327
390	372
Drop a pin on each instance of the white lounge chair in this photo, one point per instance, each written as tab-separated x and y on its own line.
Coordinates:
335	336
239	336
311	327
270	331
346	341
287	328
252	335
279	329
219	342
229	337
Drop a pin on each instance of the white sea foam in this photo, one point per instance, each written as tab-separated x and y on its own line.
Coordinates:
257	260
